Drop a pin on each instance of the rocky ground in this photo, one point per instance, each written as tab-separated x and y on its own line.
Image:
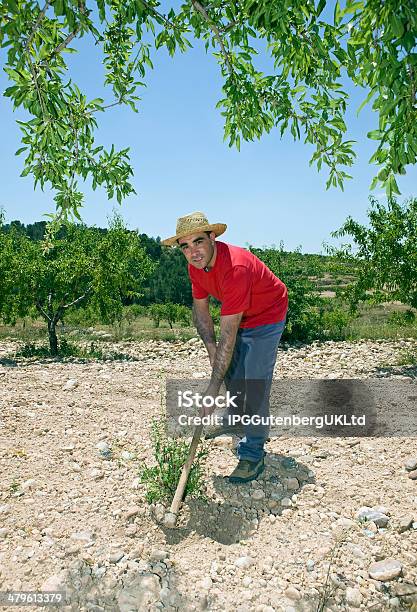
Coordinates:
331	525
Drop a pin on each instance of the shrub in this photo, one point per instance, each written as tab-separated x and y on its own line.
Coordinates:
402	318
68	349
334	323
170	454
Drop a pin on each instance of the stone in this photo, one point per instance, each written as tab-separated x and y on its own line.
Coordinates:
95	474
292	484
411	464
244	562
83	536
132	511
4	532
140	594
405	523
292	593
257	494
353	597
103	447
55	582
158	511
131	530
116	556
387	569
127	455
71	384
158	555
206	583
407	591
413	475
28	484
170	520
371	514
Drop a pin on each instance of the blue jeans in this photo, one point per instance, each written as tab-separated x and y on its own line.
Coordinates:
249	377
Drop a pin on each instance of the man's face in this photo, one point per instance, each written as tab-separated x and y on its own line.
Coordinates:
198	249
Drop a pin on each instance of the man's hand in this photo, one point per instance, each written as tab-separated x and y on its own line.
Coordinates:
212	393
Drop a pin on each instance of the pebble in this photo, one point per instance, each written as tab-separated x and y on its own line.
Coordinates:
116	556
4	532
244	562
257	494
169	520
71	384
127	455
371	514
158	555
103	447
413	475
83	536
292	593
411	464
387	569
405	523
56	582
132	511
207	582
353	597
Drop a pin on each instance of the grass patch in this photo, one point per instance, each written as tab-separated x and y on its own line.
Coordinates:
408	357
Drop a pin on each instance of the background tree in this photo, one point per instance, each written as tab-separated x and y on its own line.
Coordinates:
314	46
383	255
85	266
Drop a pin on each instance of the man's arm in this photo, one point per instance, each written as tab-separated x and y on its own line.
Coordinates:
229	325
204	324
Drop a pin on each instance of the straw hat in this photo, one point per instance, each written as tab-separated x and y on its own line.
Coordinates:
193	224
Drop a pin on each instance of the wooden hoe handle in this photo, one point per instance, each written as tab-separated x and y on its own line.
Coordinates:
186	470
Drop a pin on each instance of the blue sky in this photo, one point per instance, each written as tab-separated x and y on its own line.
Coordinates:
266	193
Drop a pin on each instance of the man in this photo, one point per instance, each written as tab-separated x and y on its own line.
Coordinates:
254	306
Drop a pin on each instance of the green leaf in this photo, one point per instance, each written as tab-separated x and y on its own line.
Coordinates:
375	135
396	25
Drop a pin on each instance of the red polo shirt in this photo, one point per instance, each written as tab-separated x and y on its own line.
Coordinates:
242	283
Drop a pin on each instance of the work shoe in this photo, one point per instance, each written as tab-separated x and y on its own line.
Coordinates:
246	470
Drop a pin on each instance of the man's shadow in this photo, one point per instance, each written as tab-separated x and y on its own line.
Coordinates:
229	519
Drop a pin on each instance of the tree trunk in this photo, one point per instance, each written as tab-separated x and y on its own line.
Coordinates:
53	340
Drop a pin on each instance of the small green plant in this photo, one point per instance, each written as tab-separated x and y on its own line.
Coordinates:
408	357
14	487
328	588
170	454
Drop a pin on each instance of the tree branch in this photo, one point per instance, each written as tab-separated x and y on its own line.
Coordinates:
228	26
70	37
38	21
65	42
77	300
41	310
200	9
166	21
